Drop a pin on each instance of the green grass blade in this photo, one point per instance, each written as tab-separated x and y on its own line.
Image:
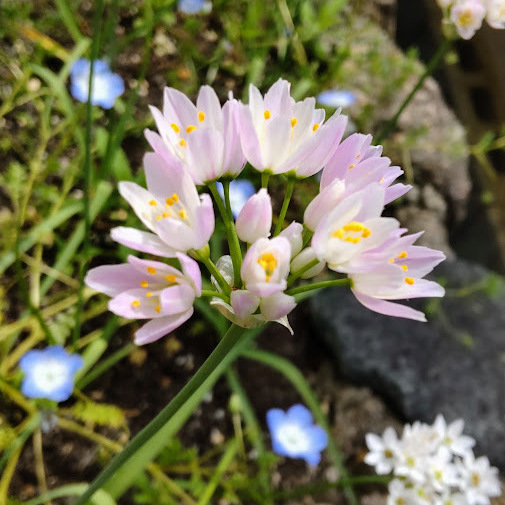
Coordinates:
68	18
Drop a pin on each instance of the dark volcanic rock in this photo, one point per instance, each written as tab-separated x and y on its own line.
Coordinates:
454	364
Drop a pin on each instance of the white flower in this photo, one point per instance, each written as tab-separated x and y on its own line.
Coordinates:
479	480
384	451
451	436
467	16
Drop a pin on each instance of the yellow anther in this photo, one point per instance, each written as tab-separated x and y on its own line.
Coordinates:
135	303
358	155
175	197
354	240
269	263
169	201
352	165
404	267
475	479
409	280
382	180
170	278
201	116
165	214
149	294
151	270
352	227
266	114
293	122
403	254
157	309
144	284
392	260
152	202
182	143
190	128
183	214
315	127
175	128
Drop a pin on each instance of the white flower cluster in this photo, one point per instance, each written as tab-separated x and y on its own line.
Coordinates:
467	15
433	465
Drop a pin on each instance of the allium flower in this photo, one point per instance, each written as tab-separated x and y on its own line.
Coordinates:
170	208
247	309
279	135
295	435
467	16
496	14
336	98
142	289
479	480
393	271
194	6
240	191
203	138
266	266
49	373
451	436
106	85
255	218
384	451
352	227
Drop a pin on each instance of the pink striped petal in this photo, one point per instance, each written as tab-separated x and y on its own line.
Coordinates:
142	241
157	328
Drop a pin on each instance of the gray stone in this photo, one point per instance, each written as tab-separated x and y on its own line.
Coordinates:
454	364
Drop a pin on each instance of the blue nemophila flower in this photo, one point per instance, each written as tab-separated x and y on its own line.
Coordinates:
49	373
240	191
106	87
194	6
295	435
336	98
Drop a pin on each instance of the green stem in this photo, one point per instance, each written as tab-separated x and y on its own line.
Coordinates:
306	235
285	204
294	375
432	65
211	267
210	294
297	273
318	285
95	46
234	242
264	180
221	353
231	235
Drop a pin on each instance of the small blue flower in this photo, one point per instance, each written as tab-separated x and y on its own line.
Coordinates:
194	6
336	98
240	191
49	373
295	435
107	86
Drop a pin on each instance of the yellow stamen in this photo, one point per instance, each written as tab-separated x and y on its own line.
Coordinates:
169	201
152	202
293	122
352	227
269	263
201	116
392	260
175	197
182	143
157	309
190	128
135	303
183	214
175	128
315	127
151	270
170	278
352	165
403	254
404	267
144	284
382	180
149	294
409	280
266	114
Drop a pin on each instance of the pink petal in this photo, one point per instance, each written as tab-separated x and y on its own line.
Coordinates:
208	102
244	303
138	198
113	279
141	241
277	306
178	108
234	159
388	308
255	219
249	139
125	305
176	299
277	99
157	328
204	221
205	148
275	143
191	271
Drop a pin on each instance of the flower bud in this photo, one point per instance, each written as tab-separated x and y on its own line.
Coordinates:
255	218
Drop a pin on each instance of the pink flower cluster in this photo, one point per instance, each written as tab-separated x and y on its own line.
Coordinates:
467	15
342	229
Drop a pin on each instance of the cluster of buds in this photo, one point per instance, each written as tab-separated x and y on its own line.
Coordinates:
342	229
467	15
432	464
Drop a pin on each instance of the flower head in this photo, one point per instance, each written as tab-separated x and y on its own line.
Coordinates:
204	139
177	217
106	86
279	135
467	16
255	218
142	289
49	373
295	435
